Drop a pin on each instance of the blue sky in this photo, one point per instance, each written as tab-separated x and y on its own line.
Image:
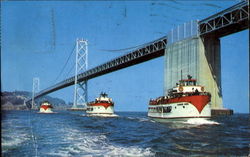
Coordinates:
37	38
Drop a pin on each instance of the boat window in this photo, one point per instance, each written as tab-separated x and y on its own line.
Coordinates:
158	109
167	109
152	108
179	104
192	83
89	109
181	83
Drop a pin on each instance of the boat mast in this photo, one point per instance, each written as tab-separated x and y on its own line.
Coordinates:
181	74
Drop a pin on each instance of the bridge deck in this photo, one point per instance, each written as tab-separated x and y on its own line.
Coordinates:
152	50
228	21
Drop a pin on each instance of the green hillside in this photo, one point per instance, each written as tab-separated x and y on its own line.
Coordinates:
15	101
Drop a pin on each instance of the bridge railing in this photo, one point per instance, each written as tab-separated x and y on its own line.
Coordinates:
181	32
232	15
135	55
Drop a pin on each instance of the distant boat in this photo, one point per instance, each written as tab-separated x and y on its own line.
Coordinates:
102	106
186	100
46	107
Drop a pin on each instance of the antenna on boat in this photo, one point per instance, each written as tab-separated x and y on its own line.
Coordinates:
181	74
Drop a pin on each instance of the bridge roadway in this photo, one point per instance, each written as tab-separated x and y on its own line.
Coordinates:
228	21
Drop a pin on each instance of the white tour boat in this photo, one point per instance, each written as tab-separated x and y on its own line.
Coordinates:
186	100
102	106
45	107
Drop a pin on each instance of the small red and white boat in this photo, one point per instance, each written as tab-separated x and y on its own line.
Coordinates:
186	100
45	107
102	106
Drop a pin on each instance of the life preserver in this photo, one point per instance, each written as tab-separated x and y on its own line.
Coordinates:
180	88
202	89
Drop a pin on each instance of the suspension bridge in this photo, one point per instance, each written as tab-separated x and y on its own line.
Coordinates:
204	39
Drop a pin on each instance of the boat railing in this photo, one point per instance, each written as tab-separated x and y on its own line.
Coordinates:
164	99
100	101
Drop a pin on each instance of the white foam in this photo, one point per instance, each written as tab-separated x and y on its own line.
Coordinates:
99	115
132	118
102	115
12	142
94	144
14	139
143	119
140	119
201	121
129	151
13	134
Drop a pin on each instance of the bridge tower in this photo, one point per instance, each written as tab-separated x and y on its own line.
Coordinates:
81	65
35	89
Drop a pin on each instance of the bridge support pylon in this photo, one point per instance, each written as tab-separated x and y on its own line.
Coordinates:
81	65
189	54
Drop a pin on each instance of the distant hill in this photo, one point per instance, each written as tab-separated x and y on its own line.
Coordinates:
15	101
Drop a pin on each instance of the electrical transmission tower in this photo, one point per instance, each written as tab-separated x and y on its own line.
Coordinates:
35	89
80	93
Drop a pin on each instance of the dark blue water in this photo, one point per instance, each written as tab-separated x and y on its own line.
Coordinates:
67	133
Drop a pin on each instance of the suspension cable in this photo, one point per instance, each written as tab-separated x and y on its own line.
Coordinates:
70	70
64	65
137	46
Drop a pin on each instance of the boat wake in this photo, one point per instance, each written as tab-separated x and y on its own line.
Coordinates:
140	119
101	115
201	121
13	135
14	139
94	144
46	112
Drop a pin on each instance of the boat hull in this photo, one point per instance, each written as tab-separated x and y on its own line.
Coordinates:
48	110
184	108
103	108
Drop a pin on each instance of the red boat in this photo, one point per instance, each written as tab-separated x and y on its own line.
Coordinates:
46	107
103	105
186	100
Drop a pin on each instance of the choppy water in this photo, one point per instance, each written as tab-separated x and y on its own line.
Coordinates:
67	133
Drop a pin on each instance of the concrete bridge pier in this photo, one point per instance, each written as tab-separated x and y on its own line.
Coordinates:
200	58
210	69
